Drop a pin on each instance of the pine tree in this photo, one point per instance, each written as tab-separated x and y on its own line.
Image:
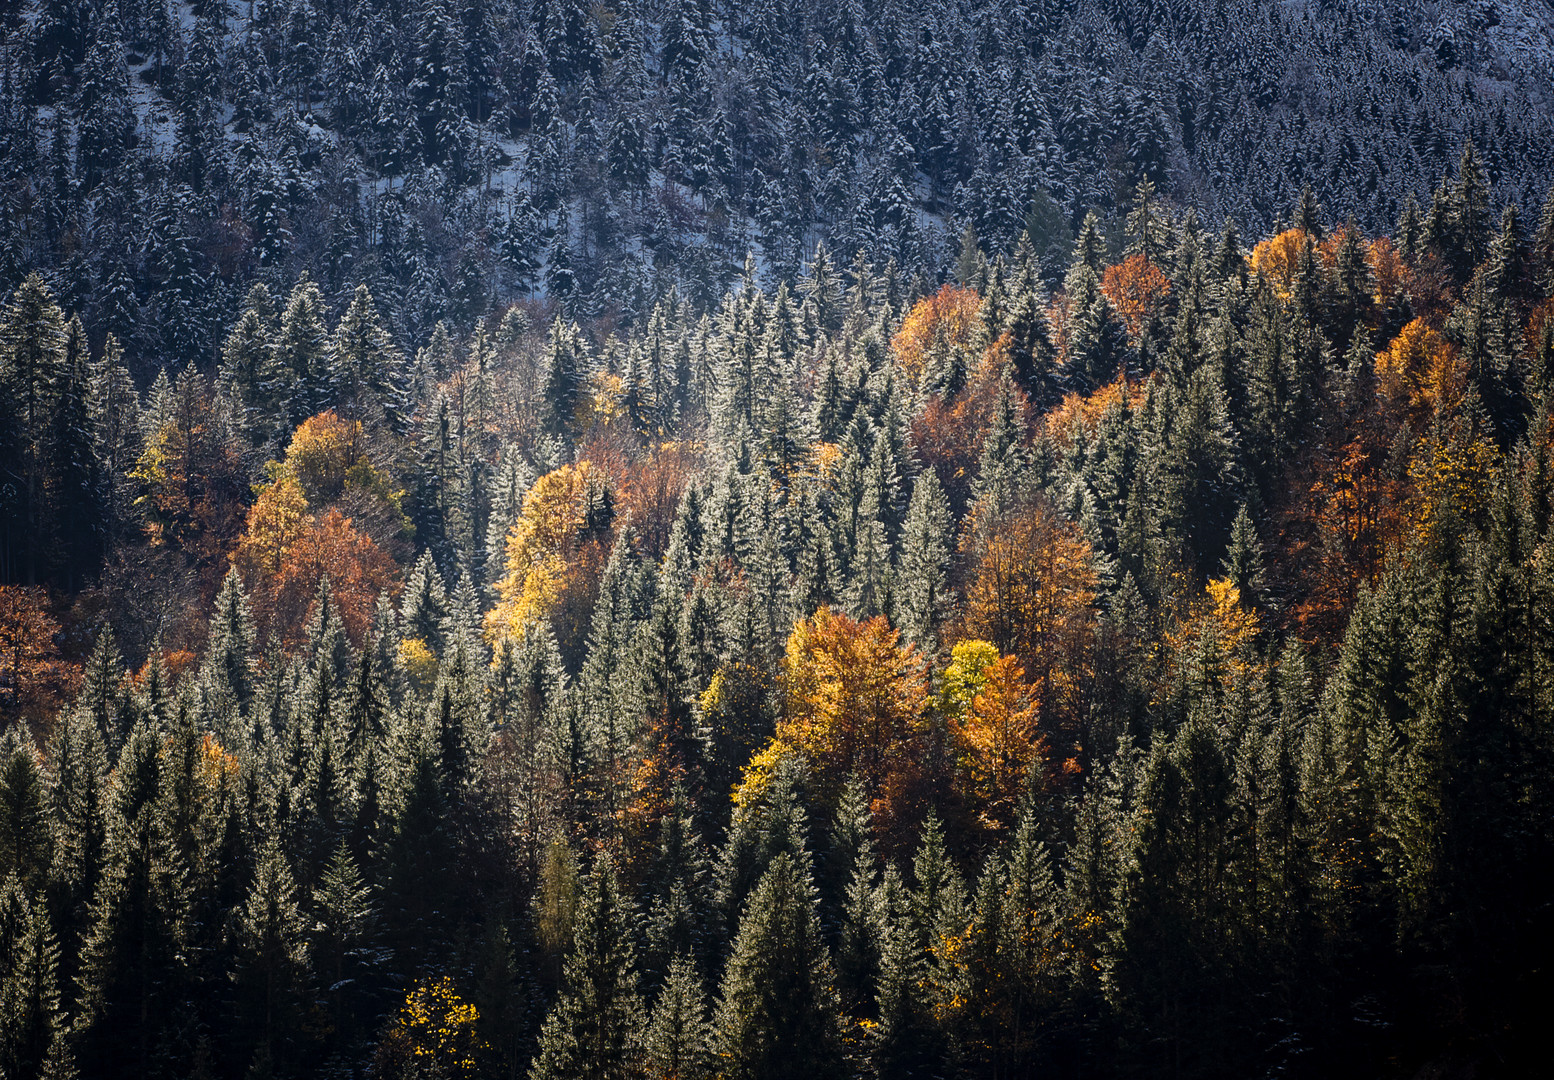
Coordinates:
227	678
132	971
424	609
79	828
29	988
74	483
365	366
113	408
1243	565
778	1013
305	384
594	1030
566	357
679	1037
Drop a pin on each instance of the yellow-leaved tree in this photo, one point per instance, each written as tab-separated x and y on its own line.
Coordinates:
854	700
433	1034
558	516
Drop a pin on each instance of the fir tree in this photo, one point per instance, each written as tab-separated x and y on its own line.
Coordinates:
777	1010
595	1028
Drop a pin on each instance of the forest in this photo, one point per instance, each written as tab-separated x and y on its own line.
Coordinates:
1150	676
691	541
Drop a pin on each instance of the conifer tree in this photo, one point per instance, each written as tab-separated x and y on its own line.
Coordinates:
24	833
922	593
32	345
29	989
778	1011
595	1028
343	942
78	827
679	1037
227	679
271	959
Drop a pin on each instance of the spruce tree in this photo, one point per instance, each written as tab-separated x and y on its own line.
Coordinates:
679	1037
24	833
270	961
778	1013
922	592
594	1031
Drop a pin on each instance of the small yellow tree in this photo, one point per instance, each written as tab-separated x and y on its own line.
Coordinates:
539	545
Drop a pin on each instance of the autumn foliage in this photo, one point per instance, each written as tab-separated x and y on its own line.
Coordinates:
1278	257
854	701
995	721
291	543
33	676
544	546
1030	590
944	320
1417	366
1138	290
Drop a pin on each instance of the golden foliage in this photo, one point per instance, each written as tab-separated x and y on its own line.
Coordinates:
1453	477
963	677
192	483
1277	258
1388	270
944	320
1417	367
853	700
998	742
1137	289
440	1028
420	662
1086	410
286	551
327	455
276	521
1211	644
539	547
603	403
1031	592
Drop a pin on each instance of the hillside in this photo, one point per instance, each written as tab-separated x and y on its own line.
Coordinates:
160	158
595	543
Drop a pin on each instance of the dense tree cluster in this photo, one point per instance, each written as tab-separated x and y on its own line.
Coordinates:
1142	671
162	156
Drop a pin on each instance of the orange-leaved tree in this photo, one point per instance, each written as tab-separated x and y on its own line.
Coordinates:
327	454
995	721
1417	367
1277	258
1030	590
286	551
32	674
1138	290
854	700
941	322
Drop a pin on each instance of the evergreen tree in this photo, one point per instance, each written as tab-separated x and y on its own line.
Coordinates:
778	1012
679	1037
595	1028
